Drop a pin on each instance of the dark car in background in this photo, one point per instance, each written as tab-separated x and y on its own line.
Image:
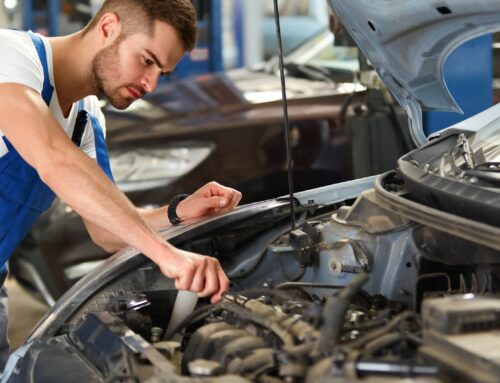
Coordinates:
227	127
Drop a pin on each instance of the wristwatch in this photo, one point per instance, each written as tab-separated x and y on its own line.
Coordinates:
172	209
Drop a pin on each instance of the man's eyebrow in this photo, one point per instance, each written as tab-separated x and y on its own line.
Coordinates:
155	59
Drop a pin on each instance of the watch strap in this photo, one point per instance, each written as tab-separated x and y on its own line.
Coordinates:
172	209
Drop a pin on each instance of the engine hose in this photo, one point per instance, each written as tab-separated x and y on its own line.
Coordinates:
268	379
258	362
334	313
381	342
196	316
360	342
250	316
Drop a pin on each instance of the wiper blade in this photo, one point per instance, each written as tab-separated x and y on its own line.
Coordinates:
310	71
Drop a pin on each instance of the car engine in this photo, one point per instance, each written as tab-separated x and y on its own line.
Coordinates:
355	292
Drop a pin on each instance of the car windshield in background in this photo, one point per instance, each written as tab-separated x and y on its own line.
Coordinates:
321	52
319	59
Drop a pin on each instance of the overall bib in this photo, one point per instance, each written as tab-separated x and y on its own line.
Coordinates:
24	196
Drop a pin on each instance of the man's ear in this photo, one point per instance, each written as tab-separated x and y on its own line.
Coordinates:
109	28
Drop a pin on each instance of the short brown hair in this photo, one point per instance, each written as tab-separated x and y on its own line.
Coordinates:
135	15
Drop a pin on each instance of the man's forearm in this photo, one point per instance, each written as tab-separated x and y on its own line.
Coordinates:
156	219
83	186
73	176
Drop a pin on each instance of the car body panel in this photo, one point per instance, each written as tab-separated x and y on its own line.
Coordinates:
408	42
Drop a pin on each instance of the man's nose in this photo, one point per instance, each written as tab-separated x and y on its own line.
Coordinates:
150	81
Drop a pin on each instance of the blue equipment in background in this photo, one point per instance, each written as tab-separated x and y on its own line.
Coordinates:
43	16
37	15
207	56
469	76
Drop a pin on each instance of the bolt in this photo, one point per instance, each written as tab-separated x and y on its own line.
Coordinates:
156	334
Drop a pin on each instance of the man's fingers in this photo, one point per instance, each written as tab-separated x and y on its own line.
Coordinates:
215	202
184	281
198	282
235	200
200	274
211	280
223	285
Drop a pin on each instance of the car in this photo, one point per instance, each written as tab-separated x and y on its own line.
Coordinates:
226	127
391	278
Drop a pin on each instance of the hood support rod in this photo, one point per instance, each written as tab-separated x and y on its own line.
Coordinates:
285	112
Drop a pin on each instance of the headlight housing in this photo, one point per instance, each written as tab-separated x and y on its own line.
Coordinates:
142	169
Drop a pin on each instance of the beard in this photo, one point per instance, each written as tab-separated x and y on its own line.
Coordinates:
105	71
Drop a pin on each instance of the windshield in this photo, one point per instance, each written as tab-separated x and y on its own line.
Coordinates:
319	51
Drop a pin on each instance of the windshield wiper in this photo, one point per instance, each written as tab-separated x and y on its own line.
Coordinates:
311	72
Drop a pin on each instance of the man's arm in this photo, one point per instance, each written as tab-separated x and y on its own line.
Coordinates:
78	181
209	200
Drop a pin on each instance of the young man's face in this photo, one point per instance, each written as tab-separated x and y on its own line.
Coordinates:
131	67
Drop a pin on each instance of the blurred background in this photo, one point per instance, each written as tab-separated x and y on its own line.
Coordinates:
236	32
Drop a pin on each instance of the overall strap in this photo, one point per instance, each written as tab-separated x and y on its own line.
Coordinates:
48	89
99	141
23	195
82	118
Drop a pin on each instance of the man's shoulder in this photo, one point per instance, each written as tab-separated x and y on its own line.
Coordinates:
12	33
19	62
15	39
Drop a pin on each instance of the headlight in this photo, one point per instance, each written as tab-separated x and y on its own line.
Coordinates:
143	169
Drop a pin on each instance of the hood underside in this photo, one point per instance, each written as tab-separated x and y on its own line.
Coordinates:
408	42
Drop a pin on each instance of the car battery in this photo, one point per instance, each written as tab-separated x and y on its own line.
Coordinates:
462	335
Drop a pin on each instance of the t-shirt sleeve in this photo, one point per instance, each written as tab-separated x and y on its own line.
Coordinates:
19	61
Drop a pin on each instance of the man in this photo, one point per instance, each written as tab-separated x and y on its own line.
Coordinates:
50	127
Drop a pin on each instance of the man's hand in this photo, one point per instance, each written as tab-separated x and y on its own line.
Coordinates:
207	201
194	272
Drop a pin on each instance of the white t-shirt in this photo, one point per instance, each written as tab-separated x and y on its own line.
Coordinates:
19	63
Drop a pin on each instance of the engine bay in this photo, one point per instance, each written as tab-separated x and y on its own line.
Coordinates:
355	293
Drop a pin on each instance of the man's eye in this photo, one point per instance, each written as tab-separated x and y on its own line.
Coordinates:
148	62
165	75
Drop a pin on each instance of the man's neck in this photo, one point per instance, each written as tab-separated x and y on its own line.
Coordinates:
72	58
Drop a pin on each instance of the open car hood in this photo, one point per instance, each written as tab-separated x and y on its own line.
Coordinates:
408	42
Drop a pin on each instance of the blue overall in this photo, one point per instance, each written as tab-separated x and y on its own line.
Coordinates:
23	195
